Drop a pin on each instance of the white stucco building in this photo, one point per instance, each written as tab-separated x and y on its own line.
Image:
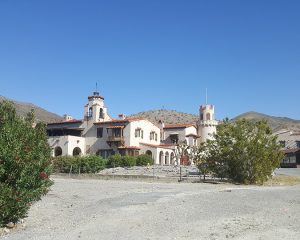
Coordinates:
99	134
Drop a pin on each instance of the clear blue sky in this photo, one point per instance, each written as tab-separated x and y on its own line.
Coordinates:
153	54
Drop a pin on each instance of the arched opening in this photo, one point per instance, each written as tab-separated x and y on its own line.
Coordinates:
57	151
167	160
90	114
148	152
207	116
76	151
101	114
172	160
161	158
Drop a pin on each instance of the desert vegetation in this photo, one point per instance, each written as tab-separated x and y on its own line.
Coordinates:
243	151
94	164
25	163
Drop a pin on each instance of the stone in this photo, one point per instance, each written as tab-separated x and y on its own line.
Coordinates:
10	225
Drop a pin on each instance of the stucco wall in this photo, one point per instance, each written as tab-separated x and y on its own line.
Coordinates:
67	144
147	127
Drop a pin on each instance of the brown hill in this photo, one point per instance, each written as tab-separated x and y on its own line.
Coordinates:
172	116
276	123
41	114
168	116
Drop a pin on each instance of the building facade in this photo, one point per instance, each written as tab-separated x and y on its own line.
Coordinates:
98	133
290	143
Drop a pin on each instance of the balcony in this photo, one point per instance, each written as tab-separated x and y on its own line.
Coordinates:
115	139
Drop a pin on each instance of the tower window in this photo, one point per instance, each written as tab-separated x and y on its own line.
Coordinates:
201	116
101	114
207	116
90	113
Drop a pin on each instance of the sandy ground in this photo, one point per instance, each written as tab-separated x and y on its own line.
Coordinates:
115	209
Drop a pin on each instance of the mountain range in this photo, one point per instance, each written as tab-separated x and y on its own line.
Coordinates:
172	116
168	116
41	114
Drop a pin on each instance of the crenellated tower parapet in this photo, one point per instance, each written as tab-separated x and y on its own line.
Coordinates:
207	124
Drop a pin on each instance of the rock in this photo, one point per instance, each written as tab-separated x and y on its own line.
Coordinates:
10	225
21	221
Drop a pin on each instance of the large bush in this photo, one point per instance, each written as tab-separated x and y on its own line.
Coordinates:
78	164
144	160
243	151
25	163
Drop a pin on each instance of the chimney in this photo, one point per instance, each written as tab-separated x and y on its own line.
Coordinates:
122	116
68	117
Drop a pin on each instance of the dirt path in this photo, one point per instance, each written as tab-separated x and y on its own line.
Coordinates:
98	209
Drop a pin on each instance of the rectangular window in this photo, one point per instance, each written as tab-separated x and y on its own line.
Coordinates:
139	133
99	132
298	144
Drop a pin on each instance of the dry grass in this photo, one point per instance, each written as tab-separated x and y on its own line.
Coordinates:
282	181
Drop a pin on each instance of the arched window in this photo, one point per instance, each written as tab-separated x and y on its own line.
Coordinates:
76	151
90	113
207	116
161	157
172	160
148	152
167	160
57	151
101	114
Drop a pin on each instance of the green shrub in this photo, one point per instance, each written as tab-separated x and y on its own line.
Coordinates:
128	161
78	164
121	161
243	151
114	161
144	160
25	163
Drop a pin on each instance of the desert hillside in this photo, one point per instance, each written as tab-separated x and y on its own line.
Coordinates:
40	113
276	123
172	116
168	116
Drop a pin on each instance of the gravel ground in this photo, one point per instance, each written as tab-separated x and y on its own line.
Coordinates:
157	171
294	172
99	209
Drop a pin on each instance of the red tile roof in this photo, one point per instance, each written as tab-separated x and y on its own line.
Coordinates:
168	146
111	127
129	147
126	120
174	126
192	135
66	122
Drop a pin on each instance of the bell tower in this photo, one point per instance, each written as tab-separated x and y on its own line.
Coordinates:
207	123
95	110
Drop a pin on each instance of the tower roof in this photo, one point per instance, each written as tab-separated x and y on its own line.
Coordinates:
95	96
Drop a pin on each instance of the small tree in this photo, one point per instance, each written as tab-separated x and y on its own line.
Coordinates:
244	151
24	163
182	149
201	160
